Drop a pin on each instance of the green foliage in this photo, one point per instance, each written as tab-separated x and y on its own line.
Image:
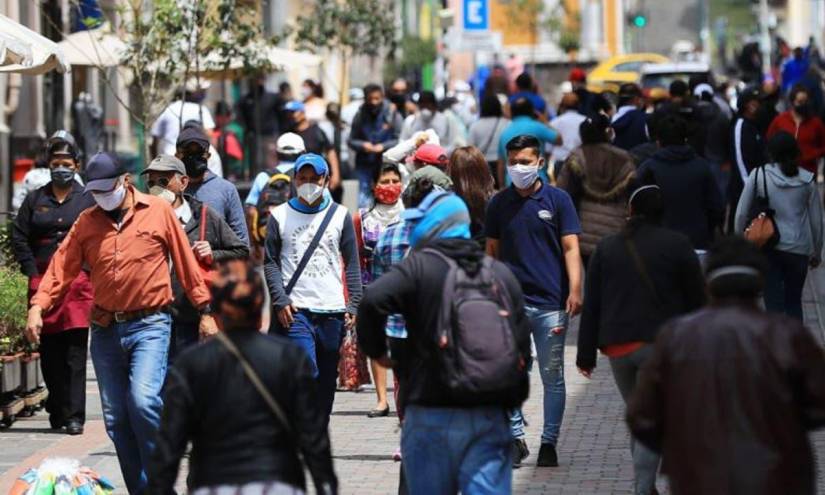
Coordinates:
13	309
415	53
6	253
354	27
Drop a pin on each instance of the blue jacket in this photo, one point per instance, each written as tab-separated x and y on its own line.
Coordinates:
630	127
222	196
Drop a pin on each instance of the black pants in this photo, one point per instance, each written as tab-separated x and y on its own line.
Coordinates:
784	282
63	361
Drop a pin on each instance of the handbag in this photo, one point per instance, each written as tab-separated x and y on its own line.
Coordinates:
207	272
762	229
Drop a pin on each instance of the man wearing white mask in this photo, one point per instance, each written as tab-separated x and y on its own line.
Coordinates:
533	228
308	238
211	238
126	241
449	131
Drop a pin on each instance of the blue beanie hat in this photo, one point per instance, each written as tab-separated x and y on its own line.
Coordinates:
441	215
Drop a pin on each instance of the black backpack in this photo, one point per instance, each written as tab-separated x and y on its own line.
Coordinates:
277	191
477	353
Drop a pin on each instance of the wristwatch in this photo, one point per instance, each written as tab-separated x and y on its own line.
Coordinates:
206	309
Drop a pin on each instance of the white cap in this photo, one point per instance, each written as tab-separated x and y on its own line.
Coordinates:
194	84
702	89
290	144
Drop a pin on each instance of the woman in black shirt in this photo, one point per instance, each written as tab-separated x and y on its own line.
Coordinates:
43	221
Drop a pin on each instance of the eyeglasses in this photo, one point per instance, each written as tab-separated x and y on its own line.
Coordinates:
162	182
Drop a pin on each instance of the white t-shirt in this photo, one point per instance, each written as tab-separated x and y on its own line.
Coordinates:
568	126
168	125
320	286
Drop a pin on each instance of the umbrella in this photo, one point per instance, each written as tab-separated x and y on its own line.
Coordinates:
37	54
95	48
280	58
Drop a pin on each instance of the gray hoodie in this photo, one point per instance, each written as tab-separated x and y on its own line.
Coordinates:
798	209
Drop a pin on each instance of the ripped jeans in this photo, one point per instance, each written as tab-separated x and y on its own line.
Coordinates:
550	351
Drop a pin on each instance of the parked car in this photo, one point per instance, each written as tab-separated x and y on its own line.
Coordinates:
615	71
661	75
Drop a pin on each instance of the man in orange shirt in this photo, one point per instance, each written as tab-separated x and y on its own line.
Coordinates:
127	241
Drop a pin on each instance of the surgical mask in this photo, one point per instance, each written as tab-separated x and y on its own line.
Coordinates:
195	165
310	192
111	200
523	176
426	114
62	176
305	92
163	193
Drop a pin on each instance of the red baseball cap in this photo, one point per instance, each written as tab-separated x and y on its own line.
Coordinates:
577	75
431	154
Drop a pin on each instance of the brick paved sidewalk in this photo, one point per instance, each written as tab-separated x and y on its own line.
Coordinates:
593	450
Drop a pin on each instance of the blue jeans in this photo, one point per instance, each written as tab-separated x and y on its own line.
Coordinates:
130	364
447	450
320	335
550	351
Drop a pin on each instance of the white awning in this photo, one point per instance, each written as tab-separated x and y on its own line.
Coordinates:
282	60
95	48
27	52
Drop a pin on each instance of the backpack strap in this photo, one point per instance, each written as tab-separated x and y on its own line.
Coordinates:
447	296
311	248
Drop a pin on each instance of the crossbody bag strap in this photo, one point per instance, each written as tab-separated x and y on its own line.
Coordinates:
250	373
311	248
642	270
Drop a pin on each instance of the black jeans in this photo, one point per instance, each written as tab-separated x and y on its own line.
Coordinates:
63	361
784	282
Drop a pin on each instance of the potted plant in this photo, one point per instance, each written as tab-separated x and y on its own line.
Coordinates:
13	311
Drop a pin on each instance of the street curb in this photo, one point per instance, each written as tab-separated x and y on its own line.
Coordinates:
76	447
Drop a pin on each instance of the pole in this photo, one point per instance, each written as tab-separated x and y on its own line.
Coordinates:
764	37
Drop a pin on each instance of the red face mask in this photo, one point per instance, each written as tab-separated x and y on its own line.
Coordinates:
387	193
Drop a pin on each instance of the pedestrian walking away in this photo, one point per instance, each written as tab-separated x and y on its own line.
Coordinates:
247	402
522	222
636	280
793	202
485	133
41	224
474	184
310	243
127	241
211	239
217	192
455	436
730	393
630	121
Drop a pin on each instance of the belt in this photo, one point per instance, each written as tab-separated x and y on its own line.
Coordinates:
124	316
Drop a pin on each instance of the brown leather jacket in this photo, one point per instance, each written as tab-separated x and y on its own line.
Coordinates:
728	398
597	177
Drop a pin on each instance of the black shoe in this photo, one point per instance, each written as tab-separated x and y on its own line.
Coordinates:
547	456
379	413
56	423
520	452
74	427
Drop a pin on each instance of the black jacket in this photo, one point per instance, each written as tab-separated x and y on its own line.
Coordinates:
235	437
225	246
631	129
693	203
42	223
619	306
728	397
413	288
747	153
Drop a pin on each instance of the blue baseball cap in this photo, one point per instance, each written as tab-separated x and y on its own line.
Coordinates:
294	106
316	161
103	172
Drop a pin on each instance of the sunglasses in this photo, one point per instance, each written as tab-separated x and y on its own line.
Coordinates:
162	182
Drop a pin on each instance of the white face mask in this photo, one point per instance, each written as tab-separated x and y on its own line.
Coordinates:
426	114
310	192
523	176
112	199
163	193
305	92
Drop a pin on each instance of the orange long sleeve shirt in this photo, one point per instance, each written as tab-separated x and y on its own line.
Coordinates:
129	263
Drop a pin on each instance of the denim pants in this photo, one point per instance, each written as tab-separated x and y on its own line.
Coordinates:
784	282
130	364
645	461
550	352
447	450
320	335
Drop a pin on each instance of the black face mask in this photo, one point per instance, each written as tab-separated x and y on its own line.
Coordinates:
398	99
195	165
372	109
803	110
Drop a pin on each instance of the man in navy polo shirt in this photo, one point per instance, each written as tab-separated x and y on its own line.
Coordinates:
533	228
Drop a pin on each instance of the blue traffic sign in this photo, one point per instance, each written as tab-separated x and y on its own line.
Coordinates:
476	15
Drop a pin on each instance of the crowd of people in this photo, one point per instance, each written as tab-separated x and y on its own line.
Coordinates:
474	233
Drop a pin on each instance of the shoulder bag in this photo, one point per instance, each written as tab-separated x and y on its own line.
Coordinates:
762	229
